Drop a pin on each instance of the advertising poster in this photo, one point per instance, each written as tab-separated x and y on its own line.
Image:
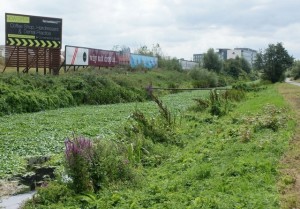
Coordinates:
33	31
77	56
102	58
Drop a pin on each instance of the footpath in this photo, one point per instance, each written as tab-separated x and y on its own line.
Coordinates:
290	163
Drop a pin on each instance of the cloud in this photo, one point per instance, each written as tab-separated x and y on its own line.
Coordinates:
180	27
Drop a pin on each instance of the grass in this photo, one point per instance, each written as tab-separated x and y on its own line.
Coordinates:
218	166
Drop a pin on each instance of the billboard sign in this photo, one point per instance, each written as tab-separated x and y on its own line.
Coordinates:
77	56
33	31
143	61
102	58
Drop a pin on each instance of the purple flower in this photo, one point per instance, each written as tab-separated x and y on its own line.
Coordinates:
78	147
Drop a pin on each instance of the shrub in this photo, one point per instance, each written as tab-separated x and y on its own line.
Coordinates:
110	164
78	163
219	103
295	70
93	165
234	95
203	78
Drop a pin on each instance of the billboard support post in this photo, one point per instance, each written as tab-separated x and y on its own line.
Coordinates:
18	69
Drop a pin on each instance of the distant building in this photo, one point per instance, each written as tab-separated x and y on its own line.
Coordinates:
187	65
232	54
198	58
223	53
246	53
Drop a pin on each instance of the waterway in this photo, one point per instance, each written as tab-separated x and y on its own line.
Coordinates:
15	201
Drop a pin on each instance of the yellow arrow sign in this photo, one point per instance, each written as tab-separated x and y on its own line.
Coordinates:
18	42
43	43
11	41
55	44
31	43
25	43
37	43
49	43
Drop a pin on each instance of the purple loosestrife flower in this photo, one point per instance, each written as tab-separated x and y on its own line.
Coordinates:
78	147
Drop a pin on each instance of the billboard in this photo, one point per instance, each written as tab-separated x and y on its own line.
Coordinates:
102	58
33	31
76	56
143	60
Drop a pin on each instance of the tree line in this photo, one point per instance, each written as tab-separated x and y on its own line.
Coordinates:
270	64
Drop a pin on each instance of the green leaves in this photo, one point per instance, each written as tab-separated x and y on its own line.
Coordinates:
274	62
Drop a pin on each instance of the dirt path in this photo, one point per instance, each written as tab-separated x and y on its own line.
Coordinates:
288	80
289	184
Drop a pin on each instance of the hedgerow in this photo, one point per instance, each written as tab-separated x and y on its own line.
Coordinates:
32	93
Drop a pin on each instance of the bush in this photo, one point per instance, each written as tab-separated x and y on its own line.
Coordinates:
32	93
53	194
110	164
203	78
234	95
93	165
79	154
219	103
295	70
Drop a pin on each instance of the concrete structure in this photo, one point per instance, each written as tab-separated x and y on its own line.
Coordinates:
188	65
232	54
225	54
247	54
198	58
222	53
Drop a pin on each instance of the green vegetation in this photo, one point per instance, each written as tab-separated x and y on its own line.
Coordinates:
211	61
274	62
32	93
198	149
207	161
203	78
295	70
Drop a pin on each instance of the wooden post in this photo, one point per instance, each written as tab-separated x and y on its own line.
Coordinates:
27	64
37	60
18	68
45	60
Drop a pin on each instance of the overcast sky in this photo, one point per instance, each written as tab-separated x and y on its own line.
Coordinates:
182	28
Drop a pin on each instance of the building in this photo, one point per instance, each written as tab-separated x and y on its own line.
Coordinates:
188	65
225	54
198	58
246	53
222	53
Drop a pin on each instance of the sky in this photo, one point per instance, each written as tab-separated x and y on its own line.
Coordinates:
181	28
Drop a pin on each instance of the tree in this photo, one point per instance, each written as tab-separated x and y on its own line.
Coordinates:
295	70
144	50
258	63
211	61
245	65
233	67
275	61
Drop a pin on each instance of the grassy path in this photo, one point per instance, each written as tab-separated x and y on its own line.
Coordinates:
290	163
